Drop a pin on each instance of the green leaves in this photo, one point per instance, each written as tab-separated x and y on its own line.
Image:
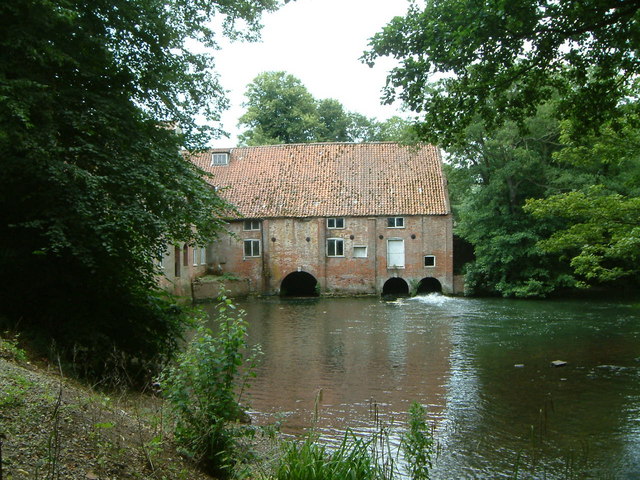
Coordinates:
501	60
203	388
417	443
280	109
602	239
488	78
490	177
94	184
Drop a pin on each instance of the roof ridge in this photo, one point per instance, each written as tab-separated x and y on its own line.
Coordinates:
281	145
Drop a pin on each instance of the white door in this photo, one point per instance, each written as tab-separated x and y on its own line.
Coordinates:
395	253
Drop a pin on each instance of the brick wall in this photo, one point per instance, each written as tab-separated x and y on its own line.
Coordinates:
180	269
290	245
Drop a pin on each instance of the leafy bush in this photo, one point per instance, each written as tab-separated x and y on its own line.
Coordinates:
204	387
9	349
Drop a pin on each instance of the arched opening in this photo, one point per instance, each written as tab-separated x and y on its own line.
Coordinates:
429	285
395	287
299	284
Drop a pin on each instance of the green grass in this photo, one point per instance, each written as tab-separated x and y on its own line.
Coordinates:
309	460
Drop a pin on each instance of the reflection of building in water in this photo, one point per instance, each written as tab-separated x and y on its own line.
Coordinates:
358	351
459	357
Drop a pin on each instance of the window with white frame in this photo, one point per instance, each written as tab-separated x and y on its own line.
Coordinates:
359	251
250	225
335	247
395	222
196	256
252	248
335	222
203	256
429	260
219	159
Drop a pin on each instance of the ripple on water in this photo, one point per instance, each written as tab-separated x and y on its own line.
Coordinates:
457	356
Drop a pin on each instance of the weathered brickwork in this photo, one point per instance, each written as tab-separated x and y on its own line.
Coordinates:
300	245
354	218
181	268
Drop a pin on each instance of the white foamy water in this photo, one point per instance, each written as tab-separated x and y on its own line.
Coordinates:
432	299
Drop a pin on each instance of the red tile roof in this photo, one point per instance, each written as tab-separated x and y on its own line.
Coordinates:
331	179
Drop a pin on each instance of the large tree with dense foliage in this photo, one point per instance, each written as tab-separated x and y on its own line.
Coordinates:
465	65
280	109
500	60
600	232
491	175
93	185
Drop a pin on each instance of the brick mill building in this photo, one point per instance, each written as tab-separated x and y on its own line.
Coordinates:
328	218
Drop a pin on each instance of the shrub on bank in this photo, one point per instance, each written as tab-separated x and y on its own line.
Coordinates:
204	388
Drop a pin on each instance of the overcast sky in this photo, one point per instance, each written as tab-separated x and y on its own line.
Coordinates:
319	42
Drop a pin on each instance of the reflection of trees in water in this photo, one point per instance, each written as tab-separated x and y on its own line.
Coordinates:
457	356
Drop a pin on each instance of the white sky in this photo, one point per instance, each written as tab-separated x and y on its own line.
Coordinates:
319	42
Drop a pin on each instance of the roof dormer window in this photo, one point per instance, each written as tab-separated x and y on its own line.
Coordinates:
219	159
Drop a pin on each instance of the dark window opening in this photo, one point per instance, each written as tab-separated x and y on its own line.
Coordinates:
176	260
251	225
429	260
463	253
395	222
335	247
185	255
299	284
335	222
252	248
395	287
429	285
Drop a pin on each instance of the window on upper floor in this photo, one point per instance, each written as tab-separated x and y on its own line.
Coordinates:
335	222
429	260
359	251
335	247
395	222
250	225
219	159
252	248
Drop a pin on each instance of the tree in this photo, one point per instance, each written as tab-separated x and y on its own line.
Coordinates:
334	122
394	129
491	175
500	60
497	63
600	234
280	109
93	185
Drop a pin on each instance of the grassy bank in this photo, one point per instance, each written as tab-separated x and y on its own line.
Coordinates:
53	427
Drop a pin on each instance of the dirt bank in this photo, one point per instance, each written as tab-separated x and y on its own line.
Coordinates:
55	428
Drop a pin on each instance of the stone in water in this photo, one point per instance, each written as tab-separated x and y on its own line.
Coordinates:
558	363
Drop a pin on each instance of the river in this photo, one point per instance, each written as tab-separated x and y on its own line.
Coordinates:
482	367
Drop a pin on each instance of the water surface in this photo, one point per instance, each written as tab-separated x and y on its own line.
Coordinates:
481	367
